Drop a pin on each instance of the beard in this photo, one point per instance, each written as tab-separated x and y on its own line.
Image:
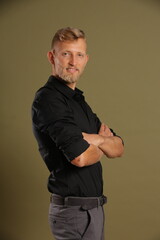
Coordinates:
69	77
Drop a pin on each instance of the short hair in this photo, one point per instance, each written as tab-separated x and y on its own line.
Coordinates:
67	34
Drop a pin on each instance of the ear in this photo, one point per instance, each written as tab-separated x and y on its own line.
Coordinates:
87	58
50	57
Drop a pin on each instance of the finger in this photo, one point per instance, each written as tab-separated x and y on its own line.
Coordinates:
103	127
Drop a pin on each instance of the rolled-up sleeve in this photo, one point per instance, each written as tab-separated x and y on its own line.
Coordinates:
55	118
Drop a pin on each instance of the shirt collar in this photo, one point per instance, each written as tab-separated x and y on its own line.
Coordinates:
54	82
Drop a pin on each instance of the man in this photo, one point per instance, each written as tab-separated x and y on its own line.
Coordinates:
72	141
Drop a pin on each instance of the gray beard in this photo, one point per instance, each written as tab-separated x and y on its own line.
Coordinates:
69	79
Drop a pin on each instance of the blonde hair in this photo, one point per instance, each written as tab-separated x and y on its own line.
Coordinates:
67	34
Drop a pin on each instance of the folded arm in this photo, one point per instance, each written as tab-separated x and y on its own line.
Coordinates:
102	143
112	146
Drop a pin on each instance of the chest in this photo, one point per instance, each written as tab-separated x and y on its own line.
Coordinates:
83	116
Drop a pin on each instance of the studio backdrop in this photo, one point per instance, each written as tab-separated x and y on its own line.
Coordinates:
121	83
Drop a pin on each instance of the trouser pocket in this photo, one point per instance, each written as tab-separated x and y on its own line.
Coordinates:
95	229
83	220
68	223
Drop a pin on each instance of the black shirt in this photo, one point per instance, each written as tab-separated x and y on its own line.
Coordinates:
60	115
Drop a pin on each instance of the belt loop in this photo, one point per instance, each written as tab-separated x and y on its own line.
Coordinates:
100	201
66	201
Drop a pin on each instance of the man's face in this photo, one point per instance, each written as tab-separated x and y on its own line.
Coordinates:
70	59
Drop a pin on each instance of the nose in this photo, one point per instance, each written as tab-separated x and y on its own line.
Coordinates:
72	60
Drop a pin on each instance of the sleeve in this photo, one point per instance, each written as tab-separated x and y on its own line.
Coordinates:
55	119
98	122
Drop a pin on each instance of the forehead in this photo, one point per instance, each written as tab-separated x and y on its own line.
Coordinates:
78	45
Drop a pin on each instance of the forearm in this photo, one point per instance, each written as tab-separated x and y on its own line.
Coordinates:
111	146
94	139
91	156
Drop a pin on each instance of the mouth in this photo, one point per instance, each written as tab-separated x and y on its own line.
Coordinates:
71	70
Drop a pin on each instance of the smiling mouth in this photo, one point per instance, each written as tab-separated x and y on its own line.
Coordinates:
71	70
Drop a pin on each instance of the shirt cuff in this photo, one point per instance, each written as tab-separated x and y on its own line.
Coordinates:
75	149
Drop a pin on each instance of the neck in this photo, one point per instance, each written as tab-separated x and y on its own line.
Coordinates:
71	85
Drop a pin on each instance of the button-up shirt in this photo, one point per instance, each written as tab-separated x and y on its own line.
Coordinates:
60	115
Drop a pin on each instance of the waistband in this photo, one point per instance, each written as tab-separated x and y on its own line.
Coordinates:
85	203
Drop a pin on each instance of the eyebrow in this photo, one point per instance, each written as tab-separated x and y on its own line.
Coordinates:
73	51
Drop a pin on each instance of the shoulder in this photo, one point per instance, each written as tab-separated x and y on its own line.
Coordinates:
50	101
46	95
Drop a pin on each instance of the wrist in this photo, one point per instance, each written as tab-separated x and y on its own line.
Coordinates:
101	140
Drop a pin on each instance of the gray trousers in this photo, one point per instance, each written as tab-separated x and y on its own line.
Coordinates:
73	223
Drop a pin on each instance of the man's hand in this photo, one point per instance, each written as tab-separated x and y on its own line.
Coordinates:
94	139
105	131
112	146
97	139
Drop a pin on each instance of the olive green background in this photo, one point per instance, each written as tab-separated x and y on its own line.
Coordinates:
121	83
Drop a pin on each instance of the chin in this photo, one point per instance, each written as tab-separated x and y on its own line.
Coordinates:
69	79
